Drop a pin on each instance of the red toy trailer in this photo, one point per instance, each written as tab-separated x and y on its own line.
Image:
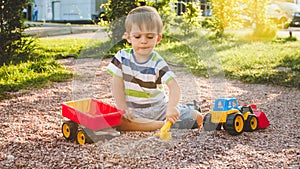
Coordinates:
90	120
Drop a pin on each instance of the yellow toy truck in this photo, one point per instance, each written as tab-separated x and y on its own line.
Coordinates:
233	119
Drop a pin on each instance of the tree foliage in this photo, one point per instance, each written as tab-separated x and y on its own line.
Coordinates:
165	11
226	14
190	19
232	14
12	45
116	11
256	10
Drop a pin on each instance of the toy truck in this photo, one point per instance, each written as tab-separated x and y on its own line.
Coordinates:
227	114
90	120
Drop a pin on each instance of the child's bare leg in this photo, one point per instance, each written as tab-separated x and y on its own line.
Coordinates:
199	117
140	124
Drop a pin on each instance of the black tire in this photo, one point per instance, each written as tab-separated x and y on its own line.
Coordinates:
69	130
246	109
251	124
207	124
224	126
234	124
82	138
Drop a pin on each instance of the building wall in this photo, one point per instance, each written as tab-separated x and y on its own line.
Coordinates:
66	9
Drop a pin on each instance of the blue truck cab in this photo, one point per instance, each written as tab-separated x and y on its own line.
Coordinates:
225	104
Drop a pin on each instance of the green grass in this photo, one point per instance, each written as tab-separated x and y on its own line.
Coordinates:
59	48
41	68
263	62
31	74
269	61
74	47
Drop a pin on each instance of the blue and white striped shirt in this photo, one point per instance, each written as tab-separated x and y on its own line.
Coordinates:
143	81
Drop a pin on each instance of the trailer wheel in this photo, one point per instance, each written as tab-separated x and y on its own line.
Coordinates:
82	137
207	124
251	123
69	130
234	124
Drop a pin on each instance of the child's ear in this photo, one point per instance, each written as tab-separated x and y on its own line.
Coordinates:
127	37
159	38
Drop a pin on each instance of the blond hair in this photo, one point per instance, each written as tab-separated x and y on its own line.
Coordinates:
145	17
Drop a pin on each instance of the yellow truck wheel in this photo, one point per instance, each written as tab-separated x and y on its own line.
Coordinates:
234	124
82	137
251	123
69	130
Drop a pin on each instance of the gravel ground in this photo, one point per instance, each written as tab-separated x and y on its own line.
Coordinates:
31	128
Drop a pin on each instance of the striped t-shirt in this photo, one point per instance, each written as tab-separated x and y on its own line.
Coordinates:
142	81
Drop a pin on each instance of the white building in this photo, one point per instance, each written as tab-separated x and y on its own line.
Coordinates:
69	10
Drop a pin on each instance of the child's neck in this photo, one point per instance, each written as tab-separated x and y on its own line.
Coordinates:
141	59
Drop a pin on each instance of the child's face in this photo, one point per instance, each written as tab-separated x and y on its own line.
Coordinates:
142	41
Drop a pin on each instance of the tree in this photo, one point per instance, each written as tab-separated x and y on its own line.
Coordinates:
256	10
229	14
190	19
116	11
11	31
226	14
165	11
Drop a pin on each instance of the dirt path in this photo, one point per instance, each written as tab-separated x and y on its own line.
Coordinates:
31	135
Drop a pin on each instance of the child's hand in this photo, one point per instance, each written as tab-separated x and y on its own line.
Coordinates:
172	114
129	115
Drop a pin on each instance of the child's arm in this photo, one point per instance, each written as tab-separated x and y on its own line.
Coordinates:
119	96
174	96
119	93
